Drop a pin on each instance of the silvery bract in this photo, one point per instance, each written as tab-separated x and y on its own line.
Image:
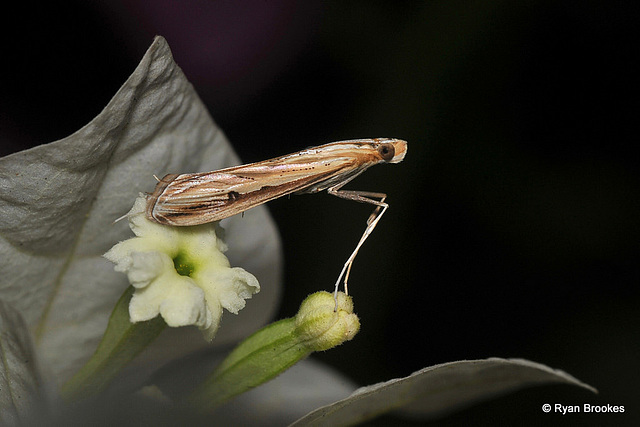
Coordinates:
58	203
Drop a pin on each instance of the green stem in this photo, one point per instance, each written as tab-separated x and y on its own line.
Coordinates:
121	343
275	348
256	360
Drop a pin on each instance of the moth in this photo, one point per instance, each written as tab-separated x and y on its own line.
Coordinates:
198	198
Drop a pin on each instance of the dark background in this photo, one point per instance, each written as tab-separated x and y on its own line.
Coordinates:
513	228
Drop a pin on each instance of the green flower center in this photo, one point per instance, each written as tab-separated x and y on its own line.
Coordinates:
183	264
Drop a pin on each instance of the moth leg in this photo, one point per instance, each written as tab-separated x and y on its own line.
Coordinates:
372	221
363	197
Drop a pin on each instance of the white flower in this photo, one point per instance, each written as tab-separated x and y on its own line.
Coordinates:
180	273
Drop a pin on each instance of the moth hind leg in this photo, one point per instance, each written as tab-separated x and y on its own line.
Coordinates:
372	221
362	197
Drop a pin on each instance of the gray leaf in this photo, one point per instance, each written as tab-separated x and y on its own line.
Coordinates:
439	389
58	203
20	383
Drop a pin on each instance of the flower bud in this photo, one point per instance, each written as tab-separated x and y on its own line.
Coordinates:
320	326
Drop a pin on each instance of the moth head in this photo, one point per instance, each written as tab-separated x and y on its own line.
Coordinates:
391	150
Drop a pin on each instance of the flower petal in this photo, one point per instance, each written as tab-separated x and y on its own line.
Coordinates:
240	285
147	266
185	305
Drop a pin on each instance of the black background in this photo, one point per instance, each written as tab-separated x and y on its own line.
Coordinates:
513	228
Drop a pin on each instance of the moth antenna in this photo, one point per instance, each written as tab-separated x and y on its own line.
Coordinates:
127	215
157	179
122	217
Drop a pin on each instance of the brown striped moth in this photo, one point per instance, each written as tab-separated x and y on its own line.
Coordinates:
199	198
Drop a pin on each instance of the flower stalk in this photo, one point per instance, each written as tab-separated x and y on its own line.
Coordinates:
120	344
278	346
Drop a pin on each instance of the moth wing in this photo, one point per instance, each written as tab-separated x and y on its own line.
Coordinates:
193	199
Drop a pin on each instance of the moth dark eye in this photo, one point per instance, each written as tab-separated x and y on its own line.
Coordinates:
387	151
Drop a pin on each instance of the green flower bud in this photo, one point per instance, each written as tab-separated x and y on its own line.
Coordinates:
276	347
321	326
